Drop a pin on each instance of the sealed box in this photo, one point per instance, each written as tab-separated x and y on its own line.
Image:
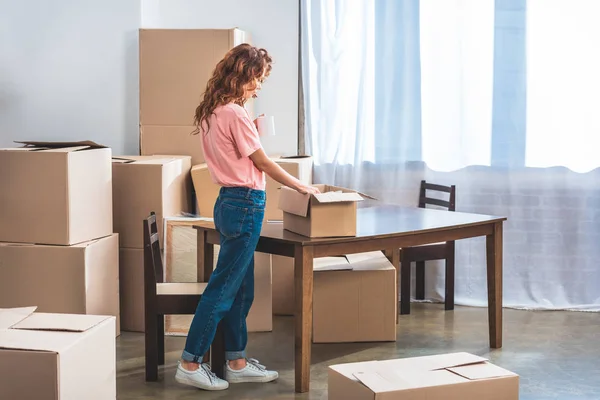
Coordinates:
142	184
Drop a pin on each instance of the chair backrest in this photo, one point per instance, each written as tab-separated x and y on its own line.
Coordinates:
153	265
449	204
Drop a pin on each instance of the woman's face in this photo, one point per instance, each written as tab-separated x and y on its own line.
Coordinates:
251	89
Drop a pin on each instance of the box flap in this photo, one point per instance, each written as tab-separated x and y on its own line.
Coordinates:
54	145
146	160
59	322
445	361
293	202
337	197
12	316
378	383
331	264
481	371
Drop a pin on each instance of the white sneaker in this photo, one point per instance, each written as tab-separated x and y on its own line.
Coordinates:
202	378
252	372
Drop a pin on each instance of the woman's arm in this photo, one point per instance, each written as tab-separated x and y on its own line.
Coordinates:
269	167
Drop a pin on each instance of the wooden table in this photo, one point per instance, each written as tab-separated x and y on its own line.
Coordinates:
386	228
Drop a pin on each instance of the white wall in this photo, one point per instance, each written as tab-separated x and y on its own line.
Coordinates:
69	71
273	25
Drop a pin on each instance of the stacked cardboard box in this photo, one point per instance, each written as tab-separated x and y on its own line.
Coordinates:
48	356
175	65
57	246
141	185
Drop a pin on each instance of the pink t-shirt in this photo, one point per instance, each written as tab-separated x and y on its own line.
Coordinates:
229	142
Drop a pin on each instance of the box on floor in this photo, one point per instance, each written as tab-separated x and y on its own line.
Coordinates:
456	376
142	184
47	356
175	65
55	193
180	266
330	213
300	167
77	279
354	297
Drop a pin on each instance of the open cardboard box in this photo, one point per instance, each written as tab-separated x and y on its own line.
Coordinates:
331	213
456	376
47	356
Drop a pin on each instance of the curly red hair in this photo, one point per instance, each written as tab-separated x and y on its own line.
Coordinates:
242	65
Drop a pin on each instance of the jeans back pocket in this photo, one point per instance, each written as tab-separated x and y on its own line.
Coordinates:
230	219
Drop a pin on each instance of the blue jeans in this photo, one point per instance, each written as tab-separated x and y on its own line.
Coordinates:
238	215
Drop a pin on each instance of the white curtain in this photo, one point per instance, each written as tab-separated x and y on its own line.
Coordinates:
501	98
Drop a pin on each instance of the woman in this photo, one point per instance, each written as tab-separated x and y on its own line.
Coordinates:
237	163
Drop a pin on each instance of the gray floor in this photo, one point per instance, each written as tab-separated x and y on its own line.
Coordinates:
556	354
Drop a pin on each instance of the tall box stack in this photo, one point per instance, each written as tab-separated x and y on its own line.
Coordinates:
57	247
175	65
141	185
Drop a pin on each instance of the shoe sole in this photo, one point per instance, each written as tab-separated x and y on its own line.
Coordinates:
258	379
190	382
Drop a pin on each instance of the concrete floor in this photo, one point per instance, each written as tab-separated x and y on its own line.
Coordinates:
556	354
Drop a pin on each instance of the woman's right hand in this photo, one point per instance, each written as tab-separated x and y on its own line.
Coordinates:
307	189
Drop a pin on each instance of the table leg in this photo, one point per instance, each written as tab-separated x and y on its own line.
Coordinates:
494	282
394	257
205	256
303	278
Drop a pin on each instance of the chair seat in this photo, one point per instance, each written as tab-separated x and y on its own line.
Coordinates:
180	288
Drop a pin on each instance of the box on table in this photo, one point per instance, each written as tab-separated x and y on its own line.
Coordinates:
48	356
142	184
78	279
330	213
300	167
175	65
456	376
354	299
55	193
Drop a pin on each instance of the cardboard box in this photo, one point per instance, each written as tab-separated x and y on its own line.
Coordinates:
457	376
180	266
300	167
206	190
330	213
175	65
131	289
283	285
55	193
47	356
142	184
354	299
78	279
157	140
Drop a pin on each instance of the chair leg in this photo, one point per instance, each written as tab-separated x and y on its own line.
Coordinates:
449	298
420	280
218	353
151	345
405	285
160	334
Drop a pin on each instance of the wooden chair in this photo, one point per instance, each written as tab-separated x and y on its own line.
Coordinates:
436	251
161	298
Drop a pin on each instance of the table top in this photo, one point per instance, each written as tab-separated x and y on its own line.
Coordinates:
382	221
